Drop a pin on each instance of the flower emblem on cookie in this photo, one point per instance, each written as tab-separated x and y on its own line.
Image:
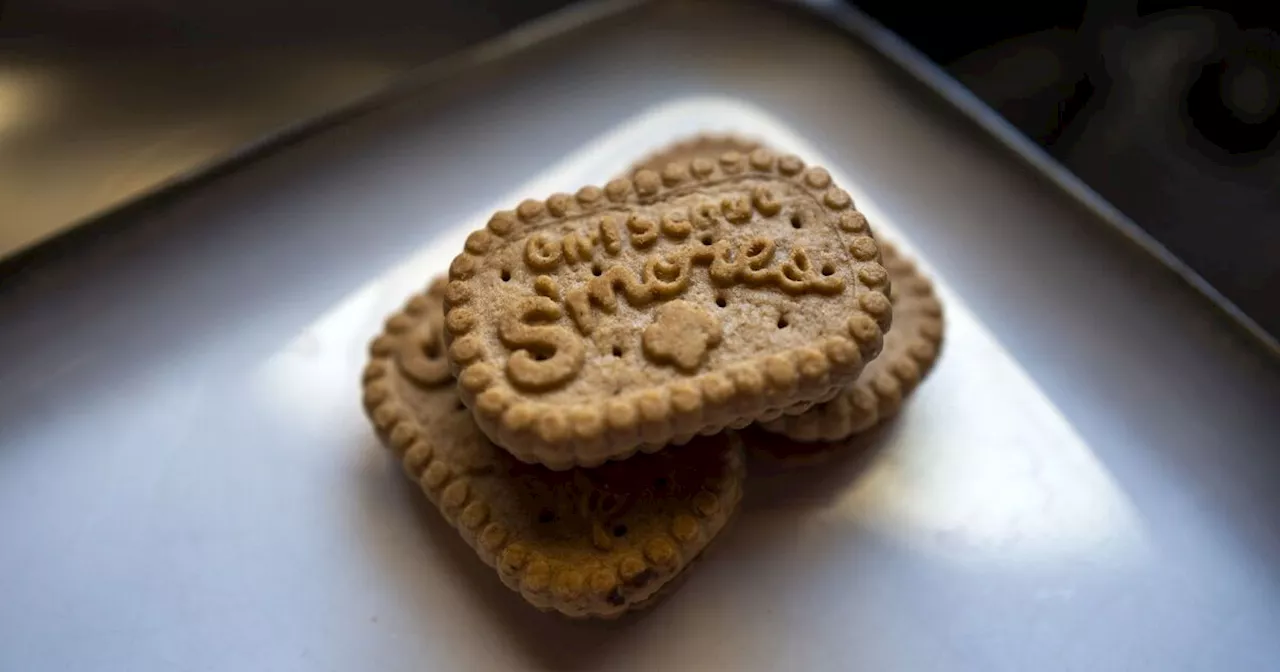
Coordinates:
681	334
421	355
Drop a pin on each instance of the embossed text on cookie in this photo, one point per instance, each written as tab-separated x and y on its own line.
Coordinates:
711	294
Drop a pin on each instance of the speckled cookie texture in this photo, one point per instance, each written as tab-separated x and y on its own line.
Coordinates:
583	542
910	351
712	294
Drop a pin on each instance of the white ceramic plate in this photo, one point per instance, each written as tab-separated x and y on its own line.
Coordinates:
979	474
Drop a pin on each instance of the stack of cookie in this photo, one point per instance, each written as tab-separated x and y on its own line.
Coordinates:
570	398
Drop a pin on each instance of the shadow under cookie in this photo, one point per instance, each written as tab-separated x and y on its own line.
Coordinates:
787	474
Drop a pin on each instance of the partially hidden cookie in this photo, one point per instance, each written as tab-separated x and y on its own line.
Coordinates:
779	451
910	351
714	294
702	145
586	543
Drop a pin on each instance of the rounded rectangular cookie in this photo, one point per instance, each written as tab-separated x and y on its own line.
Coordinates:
909	352
585	543
715	293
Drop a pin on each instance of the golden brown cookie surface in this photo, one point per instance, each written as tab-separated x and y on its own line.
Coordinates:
586	543
910	351
715	293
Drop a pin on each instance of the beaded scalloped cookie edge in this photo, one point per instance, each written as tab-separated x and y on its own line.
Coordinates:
588	434
700	144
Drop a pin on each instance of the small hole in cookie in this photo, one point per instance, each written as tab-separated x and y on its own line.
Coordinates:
795	220
540	356
828	269
506	275
546	516
707	239
721	301
757	247
596	270
619	530
431	349
782	322
459	406
617	351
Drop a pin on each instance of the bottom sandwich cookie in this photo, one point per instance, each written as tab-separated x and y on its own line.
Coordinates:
584	542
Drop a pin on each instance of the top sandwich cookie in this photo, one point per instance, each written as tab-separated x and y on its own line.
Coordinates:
714	293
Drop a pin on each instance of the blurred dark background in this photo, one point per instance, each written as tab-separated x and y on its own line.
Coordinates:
1170	110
